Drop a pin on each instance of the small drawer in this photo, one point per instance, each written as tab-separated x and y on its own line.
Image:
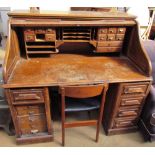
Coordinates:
122	123
134	89
29	37
21	96
136	101
119	37
121	30
128	111
50	30
39	31
110	43
102	37
108	49
50	37
111	37
112	30
29	31
103	31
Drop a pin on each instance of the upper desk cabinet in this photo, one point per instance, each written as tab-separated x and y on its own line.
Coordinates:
50	49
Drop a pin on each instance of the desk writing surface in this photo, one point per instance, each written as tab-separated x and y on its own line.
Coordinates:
73	68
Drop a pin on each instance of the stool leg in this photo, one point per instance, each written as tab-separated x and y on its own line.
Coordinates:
63	135
100	115
63	115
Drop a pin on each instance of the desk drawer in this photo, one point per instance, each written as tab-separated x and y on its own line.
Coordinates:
102	37
29	31
128	111
108	49
50	30
50	37
110	43
29	37
135	88
102	30
27	96
111	37
112	30
120	37
30	110
32	124
121	30
136	101
122	123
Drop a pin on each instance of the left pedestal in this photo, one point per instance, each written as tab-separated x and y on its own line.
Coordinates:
30	110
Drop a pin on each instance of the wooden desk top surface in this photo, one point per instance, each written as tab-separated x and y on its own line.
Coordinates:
73	69
70	14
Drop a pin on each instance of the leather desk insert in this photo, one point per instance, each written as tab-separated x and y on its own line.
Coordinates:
48	49
110	39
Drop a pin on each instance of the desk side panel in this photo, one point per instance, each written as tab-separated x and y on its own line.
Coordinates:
11	54
137	53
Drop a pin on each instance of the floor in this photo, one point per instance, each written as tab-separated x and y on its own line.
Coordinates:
82	137
79	137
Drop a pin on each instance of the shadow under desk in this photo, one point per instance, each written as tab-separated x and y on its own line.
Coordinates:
73	69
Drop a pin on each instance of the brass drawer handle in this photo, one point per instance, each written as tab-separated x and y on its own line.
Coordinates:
127	113
131	102
134	90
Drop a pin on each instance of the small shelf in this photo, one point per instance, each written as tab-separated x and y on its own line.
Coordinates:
41	52
43	46
80	40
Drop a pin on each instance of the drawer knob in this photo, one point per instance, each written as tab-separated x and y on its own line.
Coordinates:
34	131
120	30
111	38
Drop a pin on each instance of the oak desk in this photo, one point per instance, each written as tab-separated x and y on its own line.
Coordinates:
49	49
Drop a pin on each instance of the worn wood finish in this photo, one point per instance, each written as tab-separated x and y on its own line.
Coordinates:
62	69
49	49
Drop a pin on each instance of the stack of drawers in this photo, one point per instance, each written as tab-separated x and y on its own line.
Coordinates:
30	112
31	119
128	107
39	34
110	39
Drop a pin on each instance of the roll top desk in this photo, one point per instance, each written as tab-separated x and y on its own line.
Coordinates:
49	49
